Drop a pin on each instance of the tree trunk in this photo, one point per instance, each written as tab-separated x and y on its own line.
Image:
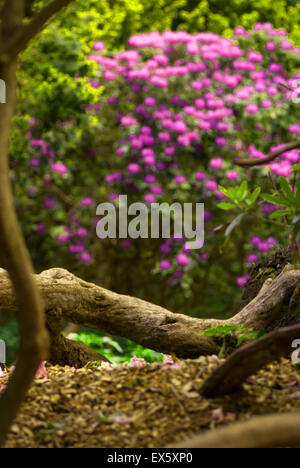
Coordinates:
34	340
14	257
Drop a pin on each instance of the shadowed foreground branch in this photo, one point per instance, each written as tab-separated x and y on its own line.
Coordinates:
260	432
248	360
267	159
13	254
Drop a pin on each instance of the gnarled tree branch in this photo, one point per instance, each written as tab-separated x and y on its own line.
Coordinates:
150	325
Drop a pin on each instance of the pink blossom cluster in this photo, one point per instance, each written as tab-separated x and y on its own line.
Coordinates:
180	108
190	103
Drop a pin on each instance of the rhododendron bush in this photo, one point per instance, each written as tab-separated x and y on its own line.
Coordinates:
167	119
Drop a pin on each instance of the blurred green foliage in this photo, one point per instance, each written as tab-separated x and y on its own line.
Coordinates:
117	350
114	21
9	334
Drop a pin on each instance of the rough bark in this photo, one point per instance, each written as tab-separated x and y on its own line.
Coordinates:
150	325
91	306
63	351
260	432
13	253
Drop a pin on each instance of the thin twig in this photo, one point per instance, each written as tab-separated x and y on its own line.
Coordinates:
270	158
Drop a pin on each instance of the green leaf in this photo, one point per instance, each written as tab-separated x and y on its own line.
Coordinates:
279	214
230	192
276	199
226	206
262	332
285	187
222	189
254	195
242	190
296	167
234	224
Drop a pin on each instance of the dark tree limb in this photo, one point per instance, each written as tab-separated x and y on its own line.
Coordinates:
34	340
268	159
28	8
248	360
20	42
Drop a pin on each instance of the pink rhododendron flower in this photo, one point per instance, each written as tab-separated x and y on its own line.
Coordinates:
242	280
85	258
149	198
34	162
200	176
59	168
164	265
49	203
263	247
99	46
251	108
211	185
82	232
216	163
157	190
232	175
182	259
252	258
270	46
86	202
128	121
180	179
133	168
76	248
256	240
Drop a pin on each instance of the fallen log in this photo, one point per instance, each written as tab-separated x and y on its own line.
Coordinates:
68	297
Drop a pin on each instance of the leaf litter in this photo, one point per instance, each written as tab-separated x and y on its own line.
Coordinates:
142	404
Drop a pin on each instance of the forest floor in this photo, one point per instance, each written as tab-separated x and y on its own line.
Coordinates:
149	406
